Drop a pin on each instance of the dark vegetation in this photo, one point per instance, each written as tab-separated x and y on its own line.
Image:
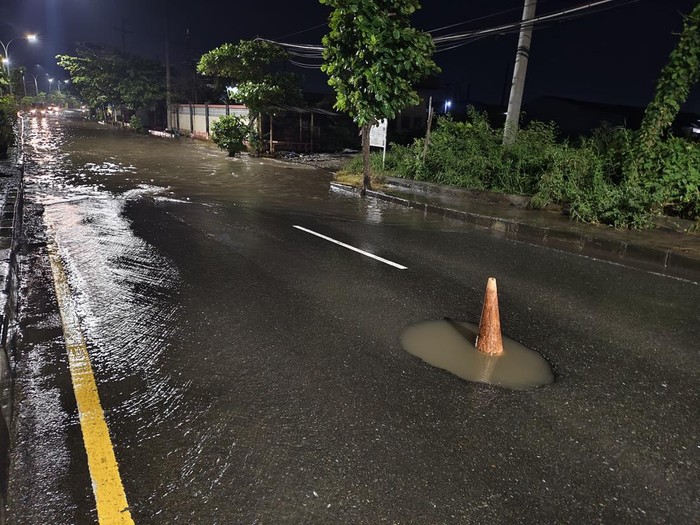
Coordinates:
616	176
8	113
596	179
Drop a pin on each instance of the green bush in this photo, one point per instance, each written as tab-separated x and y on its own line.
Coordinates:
528	159
135	124
595	180
470	154
599	183
675	181
229	133
8	114
375	163
578	180
461	153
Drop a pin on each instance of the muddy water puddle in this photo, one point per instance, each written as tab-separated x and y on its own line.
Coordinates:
449	345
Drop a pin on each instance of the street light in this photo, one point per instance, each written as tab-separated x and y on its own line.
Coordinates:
5	46
50	82
36	84
448	105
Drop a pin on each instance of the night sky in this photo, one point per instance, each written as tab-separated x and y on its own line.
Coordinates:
613	56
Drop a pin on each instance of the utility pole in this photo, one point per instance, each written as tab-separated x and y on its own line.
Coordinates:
124	32
168	87
427	129
516	90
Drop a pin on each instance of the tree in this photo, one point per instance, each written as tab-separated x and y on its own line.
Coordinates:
142	82
17	80
673	88
4	80
8	114
104	76
250	66
374	58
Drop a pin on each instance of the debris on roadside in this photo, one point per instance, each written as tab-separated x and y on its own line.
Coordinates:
329	161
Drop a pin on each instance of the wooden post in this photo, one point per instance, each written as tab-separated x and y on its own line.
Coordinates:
272	145
312	132
366	181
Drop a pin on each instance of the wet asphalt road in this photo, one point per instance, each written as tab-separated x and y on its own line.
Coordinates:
252	373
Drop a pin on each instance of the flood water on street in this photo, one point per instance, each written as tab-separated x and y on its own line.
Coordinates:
134	306
244	324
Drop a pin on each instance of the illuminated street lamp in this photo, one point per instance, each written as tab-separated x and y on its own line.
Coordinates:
50	82
448	105
5	48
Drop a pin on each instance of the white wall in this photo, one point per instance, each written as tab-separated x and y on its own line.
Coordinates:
191	119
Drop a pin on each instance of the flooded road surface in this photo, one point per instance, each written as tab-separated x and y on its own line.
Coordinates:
252	372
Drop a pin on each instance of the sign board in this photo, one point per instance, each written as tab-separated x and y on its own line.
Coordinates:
377	135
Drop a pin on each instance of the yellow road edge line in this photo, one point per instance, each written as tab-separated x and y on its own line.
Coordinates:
112	507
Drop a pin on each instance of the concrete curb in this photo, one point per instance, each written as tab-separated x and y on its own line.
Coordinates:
10	231
12	173
519	201
665	262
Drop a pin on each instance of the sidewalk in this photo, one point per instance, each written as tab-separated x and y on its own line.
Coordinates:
662	250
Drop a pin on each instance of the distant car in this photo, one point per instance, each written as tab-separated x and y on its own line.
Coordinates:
38	110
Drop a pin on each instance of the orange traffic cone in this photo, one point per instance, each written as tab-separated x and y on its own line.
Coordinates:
489	339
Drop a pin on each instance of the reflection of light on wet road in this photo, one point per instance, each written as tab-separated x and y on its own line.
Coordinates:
119	287
159	303
110	498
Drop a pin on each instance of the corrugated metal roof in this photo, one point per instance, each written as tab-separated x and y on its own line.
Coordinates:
305	111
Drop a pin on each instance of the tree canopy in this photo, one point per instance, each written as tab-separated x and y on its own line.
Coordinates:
374	58
103	75
250	66
677	78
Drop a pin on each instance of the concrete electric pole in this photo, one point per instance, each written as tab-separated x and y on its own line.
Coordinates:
516	90
168	86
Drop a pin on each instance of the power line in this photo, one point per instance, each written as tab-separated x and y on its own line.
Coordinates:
303	31
478	19
560	16
453	41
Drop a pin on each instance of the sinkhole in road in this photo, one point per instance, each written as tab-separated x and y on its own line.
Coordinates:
449	345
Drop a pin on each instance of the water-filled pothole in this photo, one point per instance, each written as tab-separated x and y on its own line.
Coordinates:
449	345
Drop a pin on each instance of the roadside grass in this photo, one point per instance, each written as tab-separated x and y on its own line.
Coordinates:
352	175
597	179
